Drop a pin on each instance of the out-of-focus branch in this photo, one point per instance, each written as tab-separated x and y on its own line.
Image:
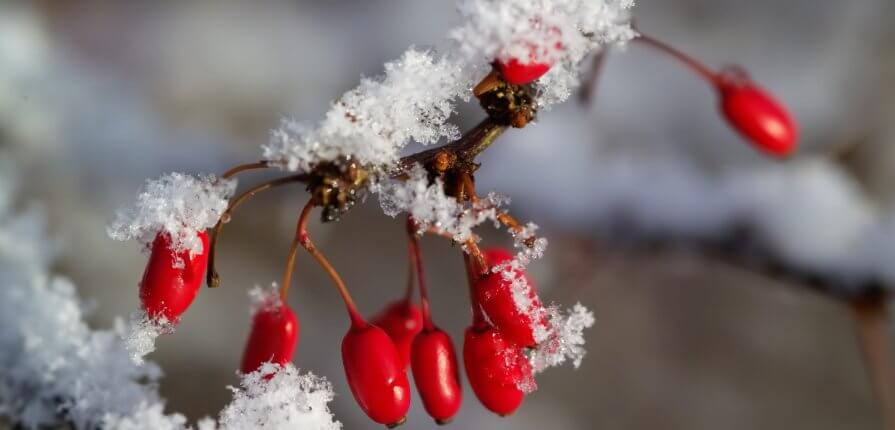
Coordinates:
872	330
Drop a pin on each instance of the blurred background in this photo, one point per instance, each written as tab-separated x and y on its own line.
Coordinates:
98	95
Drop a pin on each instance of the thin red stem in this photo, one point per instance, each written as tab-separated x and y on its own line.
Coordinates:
212	278
357	321
416	258
700	69
235	170
293	252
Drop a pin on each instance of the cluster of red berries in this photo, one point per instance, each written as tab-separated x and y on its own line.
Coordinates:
508	316
375	354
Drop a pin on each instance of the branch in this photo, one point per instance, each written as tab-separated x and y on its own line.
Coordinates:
871	320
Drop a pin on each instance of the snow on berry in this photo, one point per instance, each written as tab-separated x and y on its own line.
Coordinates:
557	32
565	340
177	204
412	101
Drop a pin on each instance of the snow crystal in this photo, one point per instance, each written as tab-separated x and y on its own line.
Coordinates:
177	204
264	298
565	341
140	332
279	397
371	123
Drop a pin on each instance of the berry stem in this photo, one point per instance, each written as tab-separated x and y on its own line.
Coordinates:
872	326
304	238
478	318
476	257
212	278
293	252
416	259
235	170
700	69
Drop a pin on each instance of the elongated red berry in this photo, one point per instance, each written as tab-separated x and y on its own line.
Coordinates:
402	321
495	369
511	301
273	337
435	372
375	374
756	115
167	291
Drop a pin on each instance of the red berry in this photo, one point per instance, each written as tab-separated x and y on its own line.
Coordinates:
757	115
402	321
517	73
167	291
537	64
515	310
375	374
495	369
272	339
435	372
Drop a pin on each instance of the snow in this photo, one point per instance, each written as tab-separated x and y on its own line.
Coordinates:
178	204
56	369
275	397
264	298
371	123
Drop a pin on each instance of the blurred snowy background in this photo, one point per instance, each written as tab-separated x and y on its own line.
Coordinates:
98	95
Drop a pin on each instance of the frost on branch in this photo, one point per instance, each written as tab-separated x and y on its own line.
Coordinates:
177	204
371	123
429	206
415	97
565	340
275	397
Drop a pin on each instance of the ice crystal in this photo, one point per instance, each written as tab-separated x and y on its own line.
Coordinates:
565	340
